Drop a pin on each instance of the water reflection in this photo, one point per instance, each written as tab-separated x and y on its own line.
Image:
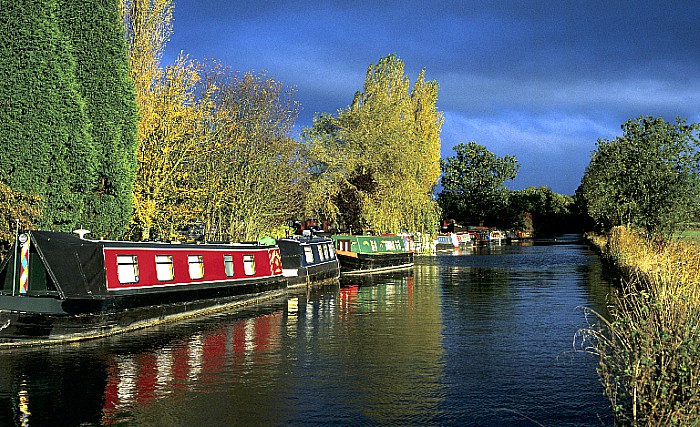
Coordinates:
186	366
477	339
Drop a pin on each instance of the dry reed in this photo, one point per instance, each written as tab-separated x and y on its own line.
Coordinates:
649	348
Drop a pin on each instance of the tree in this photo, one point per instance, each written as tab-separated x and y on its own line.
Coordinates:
647	178
247	171
377	163
96	34
473	183
16	206
47	150
170	114
170	142
549	212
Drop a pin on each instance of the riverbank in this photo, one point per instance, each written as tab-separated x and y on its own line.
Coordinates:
649	348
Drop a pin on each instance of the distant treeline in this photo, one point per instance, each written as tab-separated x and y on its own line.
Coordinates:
648	179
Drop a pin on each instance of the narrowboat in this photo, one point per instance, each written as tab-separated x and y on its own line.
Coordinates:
361	254
446	241
489	236
308	260
466	239
57	287
495	237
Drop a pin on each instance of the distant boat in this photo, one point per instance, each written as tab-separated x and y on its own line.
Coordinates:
489	236
495	237
446	241
308	260
362	254
58	287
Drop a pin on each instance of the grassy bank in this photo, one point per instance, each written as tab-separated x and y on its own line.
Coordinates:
649	348
689	235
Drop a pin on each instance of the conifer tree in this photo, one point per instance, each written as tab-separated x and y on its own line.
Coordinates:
96	33
47	150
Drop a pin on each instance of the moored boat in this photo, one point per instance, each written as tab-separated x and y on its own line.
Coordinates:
58	287
308	260
495	237
465	239
360	254
446	241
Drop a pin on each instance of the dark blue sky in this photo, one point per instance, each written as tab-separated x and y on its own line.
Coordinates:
541	80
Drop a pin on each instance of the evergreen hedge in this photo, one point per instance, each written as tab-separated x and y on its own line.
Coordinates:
67	111
44	127
96	32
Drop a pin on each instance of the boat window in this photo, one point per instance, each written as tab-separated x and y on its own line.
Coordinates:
309	254
389	245
228	265
344	245
127	268
196	263
326	256
249	265
164	267
373	244
331	250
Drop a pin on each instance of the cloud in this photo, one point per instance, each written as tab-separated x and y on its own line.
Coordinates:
552	149
539	80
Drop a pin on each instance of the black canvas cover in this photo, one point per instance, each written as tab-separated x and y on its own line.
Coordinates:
76	266
291	253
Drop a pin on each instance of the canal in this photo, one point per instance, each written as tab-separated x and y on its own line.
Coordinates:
474	338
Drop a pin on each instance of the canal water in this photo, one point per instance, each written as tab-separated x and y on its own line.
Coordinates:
473	338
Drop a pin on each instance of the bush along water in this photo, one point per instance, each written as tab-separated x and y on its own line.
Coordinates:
649	346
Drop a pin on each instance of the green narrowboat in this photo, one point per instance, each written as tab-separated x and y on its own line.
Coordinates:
362	254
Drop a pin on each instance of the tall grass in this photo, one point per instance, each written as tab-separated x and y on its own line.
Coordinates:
649	347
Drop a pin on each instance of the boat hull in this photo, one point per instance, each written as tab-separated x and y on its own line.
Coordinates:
308	261
357	263
41	321
315	275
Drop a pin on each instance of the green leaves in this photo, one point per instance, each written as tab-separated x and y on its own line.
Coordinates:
647	178
51	129
473	183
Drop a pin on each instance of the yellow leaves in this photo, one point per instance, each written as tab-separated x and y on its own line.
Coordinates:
15	205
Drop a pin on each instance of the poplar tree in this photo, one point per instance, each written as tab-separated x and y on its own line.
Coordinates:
44	128
168	118
96	33
380	156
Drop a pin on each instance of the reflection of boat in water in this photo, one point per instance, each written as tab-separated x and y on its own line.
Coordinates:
58	287
363	254
377	278
308	260
138	380
364	292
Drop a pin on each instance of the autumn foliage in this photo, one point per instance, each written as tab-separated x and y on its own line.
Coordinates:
377	163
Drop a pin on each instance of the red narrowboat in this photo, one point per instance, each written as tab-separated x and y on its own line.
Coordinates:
58	287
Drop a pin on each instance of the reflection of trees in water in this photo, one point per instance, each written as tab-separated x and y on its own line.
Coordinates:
392	347
600	283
